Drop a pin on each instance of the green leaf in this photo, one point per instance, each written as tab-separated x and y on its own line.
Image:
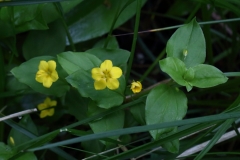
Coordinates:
20	138
175	68
164	104
26	74
138	112
27	156
29	18
112	44
83	81
107	123
171	146
119	57
77	105
73	61
48	42
207	76
188	44
5	151
82	28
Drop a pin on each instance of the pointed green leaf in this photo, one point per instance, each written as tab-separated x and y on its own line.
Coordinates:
107	123
18	137
171	146
112	44
48	42
175	68
5	151
165	104
27	156
188	44
207	76
73	61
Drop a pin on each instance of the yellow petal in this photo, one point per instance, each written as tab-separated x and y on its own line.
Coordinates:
47	82
41	106
53	103
40	75
51	65
112	83
43	66
106	65
100	85
116	72
54	76
51	112
97	74
47	100
43	114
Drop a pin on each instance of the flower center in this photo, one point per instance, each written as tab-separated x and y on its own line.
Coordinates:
106	75
48	73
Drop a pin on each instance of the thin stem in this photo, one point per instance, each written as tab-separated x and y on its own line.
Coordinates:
153	65
60	11
18	114
232	74
177	26
137	19
112	26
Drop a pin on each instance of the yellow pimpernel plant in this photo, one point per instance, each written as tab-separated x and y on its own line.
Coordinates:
106	76
136	87
48	103
47	73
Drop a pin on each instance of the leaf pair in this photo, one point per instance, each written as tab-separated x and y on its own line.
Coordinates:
201	75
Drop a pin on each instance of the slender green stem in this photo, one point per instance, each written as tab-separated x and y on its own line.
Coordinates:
113	24
118	13
177	26
232	74
60	11
153	65
137	19
206	29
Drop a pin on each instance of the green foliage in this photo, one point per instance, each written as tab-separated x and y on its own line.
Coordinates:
49	42
26	74
117	123
165	104
188	44
5	151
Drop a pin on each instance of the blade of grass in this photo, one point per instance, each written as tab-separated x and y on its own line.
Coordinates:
141	129
160	56
216	137
133	152
59	8
2	84
232	74
206	30
31	135
27	2
137	19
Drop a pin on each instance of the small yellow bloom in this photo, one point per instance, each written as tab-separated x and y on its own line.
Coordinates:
47	73
136	87
46	104
106	76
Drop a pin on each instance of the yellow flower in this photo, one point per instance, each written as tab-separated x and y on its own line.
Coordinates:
136	87
47	73
43	107
106	76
